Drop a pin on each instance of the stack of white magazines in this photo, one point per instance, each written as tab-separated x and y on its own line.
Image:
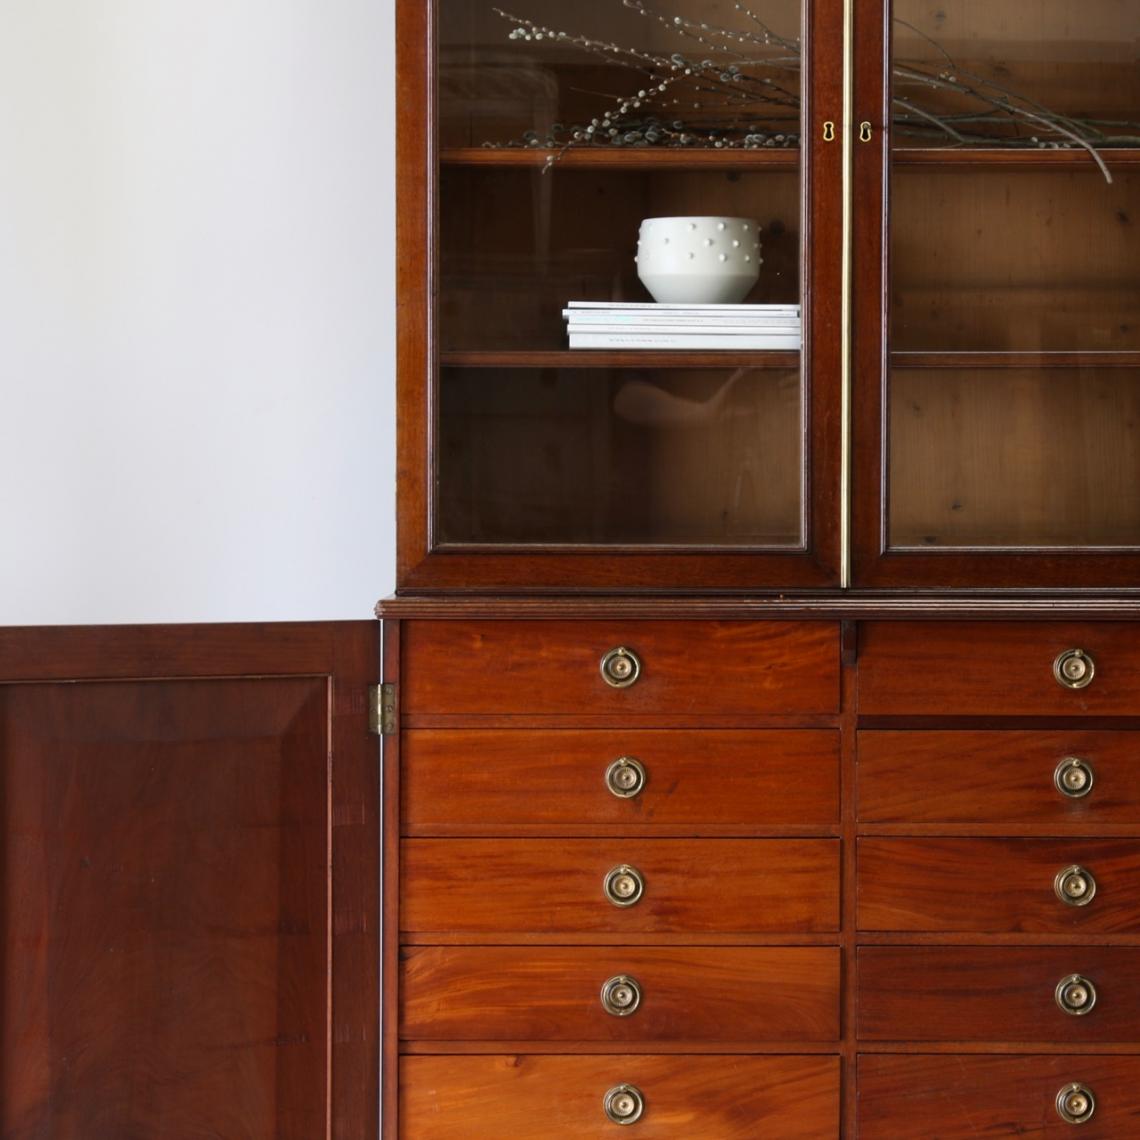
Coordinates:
606	324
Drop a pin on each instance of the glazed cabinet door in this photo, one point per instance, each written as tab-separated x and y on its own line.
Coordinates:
684	449
997	366
190	872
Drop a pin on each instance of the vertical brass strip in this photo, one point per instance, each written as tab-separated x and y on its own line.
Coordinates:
845	298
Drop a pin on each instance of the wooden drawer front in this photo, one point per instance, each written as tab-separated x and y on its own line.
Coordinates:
561	1098
964	1098
687	667
995	885
995	668
553	993
970	993
473	781
996	777
487	886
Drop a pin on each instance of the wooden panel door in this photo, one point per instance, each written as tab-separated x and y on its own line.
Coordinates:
190	881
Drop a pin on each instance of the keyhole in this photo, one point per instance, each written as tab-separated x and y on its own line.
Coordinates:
864	131
829	131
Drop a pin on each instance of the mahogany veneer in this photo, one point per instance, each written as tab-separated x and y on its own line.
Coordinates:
967	1098
995	885
1002	777
707	886
535	669
559	1098
747	994
1001	994
519	781
995	669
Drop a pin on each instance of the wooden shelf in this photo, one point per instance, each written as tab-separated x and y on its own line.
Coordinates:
1019	159
600	358
962	360
782	158
619	158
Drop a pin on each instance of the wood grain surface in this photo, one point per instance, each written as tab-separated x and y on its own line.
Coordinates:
553	993
190	881
985	1098
540	668
995	885
997	777
995	669
999	994
495	782
560	1098
710	886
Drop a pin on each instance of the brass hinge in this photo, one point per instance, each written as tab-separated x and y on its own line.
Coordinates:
382	709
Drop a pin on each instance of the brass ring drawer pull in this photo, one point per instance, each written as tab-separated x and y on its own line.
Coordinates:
624	1104
1074	886
1075	995
1074	669
1076	1103
625	777
624	885
620	667
1074	778
621	995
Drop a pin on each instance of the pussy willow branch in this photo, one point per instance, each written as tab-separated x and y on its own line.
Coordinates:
732	80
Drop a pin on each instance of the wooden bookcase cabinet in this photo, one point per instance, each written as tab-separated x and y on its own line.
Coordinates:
848	578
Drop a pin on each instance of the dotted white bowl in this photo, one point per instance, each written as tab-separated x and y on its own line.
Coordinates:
700	260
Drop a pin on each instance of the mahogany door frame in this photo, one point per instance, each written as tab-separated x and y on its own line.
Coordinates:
424	568
874	563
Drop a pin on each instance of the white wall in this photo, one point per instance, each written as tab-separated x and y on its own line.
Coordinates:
196	309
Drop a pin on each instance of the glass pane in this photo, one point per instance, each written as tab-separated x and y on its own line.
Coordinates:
1014	386
998	260
1019	73
656	109
1015	457
703	456
664	72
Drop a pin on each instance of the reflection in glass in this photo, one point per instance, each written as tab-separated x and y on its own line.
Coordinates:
707	456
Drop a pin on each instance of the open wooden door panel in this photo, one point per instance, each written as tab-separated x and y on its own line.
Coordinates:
190	868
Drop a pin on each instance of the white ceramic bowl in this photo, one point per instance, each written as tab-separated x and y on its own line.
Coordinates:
698	261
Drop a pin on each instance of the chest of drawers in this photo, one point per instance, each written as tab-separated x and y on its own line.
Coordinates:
833	861
619	879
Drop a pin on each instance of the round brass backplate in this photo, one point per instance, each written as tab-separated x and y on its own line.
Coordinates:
1075	1103
624	1104
620	667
